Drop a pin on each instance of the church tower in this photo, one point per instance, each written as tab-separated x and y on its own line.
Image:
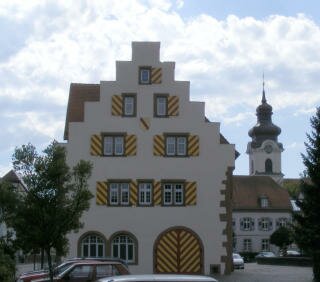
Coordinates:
264	150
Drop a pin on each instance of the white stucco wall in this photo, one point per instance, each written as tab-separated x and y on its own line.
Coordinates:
208	169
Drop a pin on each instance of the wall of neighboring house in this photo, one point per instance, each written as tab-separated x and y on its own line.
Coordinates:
256	231
163	236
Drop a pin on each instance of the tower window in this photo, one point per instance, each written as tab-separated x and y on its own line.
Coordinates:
268	166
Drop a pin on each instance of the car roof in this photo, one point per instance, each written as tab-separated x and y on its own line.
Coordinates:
158	277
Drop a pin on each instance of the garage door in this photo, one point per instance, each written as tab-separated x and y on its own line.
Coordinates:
178	250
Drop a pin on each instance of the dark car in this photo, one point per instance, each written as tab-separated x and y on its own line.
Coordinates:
44	273
88	271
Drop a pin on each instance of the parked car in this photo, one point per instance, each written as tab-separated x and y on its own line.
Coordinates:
88	271
293	253
67	266
159	278
238	261
265	255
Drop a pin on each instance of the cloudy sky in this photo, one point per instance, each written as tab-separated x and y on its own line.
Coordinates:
222	47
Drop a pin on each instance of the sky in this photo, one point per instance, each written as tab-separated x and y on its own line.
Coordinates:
222	47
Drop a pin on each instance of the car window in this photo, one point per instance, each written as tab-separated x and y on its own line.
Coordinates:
81	273
106	270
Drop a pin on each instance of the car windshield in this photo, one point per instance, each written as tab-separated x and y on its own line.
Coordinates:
236	256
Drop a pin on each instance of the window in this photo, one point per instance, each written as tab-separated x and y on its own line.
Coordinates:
145	194
92	246
282	222
123	247
268	166
161	105
265	245
113	145
119	194
264	202
173	194
265	224
247	224
129	105
176	145
145	75
247	245
81	273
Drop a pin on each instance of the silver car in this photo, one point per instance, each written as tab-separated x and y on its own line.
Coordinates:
238	261
158	278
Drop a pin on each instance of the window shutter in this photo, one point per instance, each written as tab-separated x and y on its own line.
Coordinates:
96	145
260	224
173	105
133	193
158	145
156	75
270	224
241	224
193	145
116	109
102	193
131	145
251	224
157	193
191	193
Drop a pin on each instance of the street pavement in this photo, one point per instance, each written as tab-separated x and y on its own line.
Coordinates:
254	272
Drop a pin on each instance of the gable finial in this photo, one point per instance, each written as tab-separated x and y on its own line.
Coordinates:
264	100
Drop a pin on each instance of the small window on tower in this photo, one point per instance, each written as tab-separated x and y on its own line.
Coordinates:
145	75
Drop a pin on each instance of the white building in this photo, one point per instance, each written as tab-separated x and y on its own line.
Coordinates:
162	173
260	203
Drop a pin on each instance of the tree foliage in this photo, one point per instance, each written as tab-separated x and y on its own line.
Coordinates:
307	222
282	238
56	199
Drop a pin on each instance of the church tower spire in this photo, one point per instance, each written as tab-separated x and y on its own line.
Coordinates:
264	150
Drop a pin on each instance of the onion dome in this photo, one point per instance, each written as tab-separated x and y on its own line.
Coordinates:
264	129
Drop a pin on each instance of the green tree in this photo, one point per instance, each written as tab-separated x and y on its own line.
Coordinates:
282	238
307	227
56	199
293	188
7	248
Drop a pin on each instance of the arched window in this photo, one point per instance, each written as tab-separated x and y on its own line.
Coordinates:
268	166
92	246
123	246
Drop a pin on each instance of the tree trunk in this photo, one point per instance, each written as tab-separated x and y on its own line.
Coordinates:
48	251
316	266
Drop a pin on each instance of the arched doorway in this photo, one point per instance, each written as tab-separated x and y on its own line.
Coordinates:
178	250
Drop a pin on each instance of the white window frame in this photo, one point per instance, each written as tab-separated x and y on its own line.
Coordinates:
145	193
265	245
129	103
161	106
145	71
264	202
247	245
119	194
90	240
282	222
176	145
173	194
123	241
113	145
265	224
247	224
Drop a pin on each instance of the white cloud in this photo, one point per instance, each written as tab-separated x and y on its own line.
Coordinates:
79	41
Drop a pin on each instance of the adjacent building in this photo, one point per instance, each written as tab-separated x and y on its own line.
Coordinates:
260	203
162	173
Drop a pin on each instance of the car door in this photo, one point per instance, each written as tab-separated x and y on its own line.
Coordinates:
79	273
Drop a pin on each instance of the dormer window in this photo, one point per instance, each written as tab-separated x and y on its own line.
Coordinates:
145	75
264	202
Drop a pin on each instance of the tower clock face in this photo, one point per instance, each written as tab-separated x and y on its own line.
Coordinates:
268	149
